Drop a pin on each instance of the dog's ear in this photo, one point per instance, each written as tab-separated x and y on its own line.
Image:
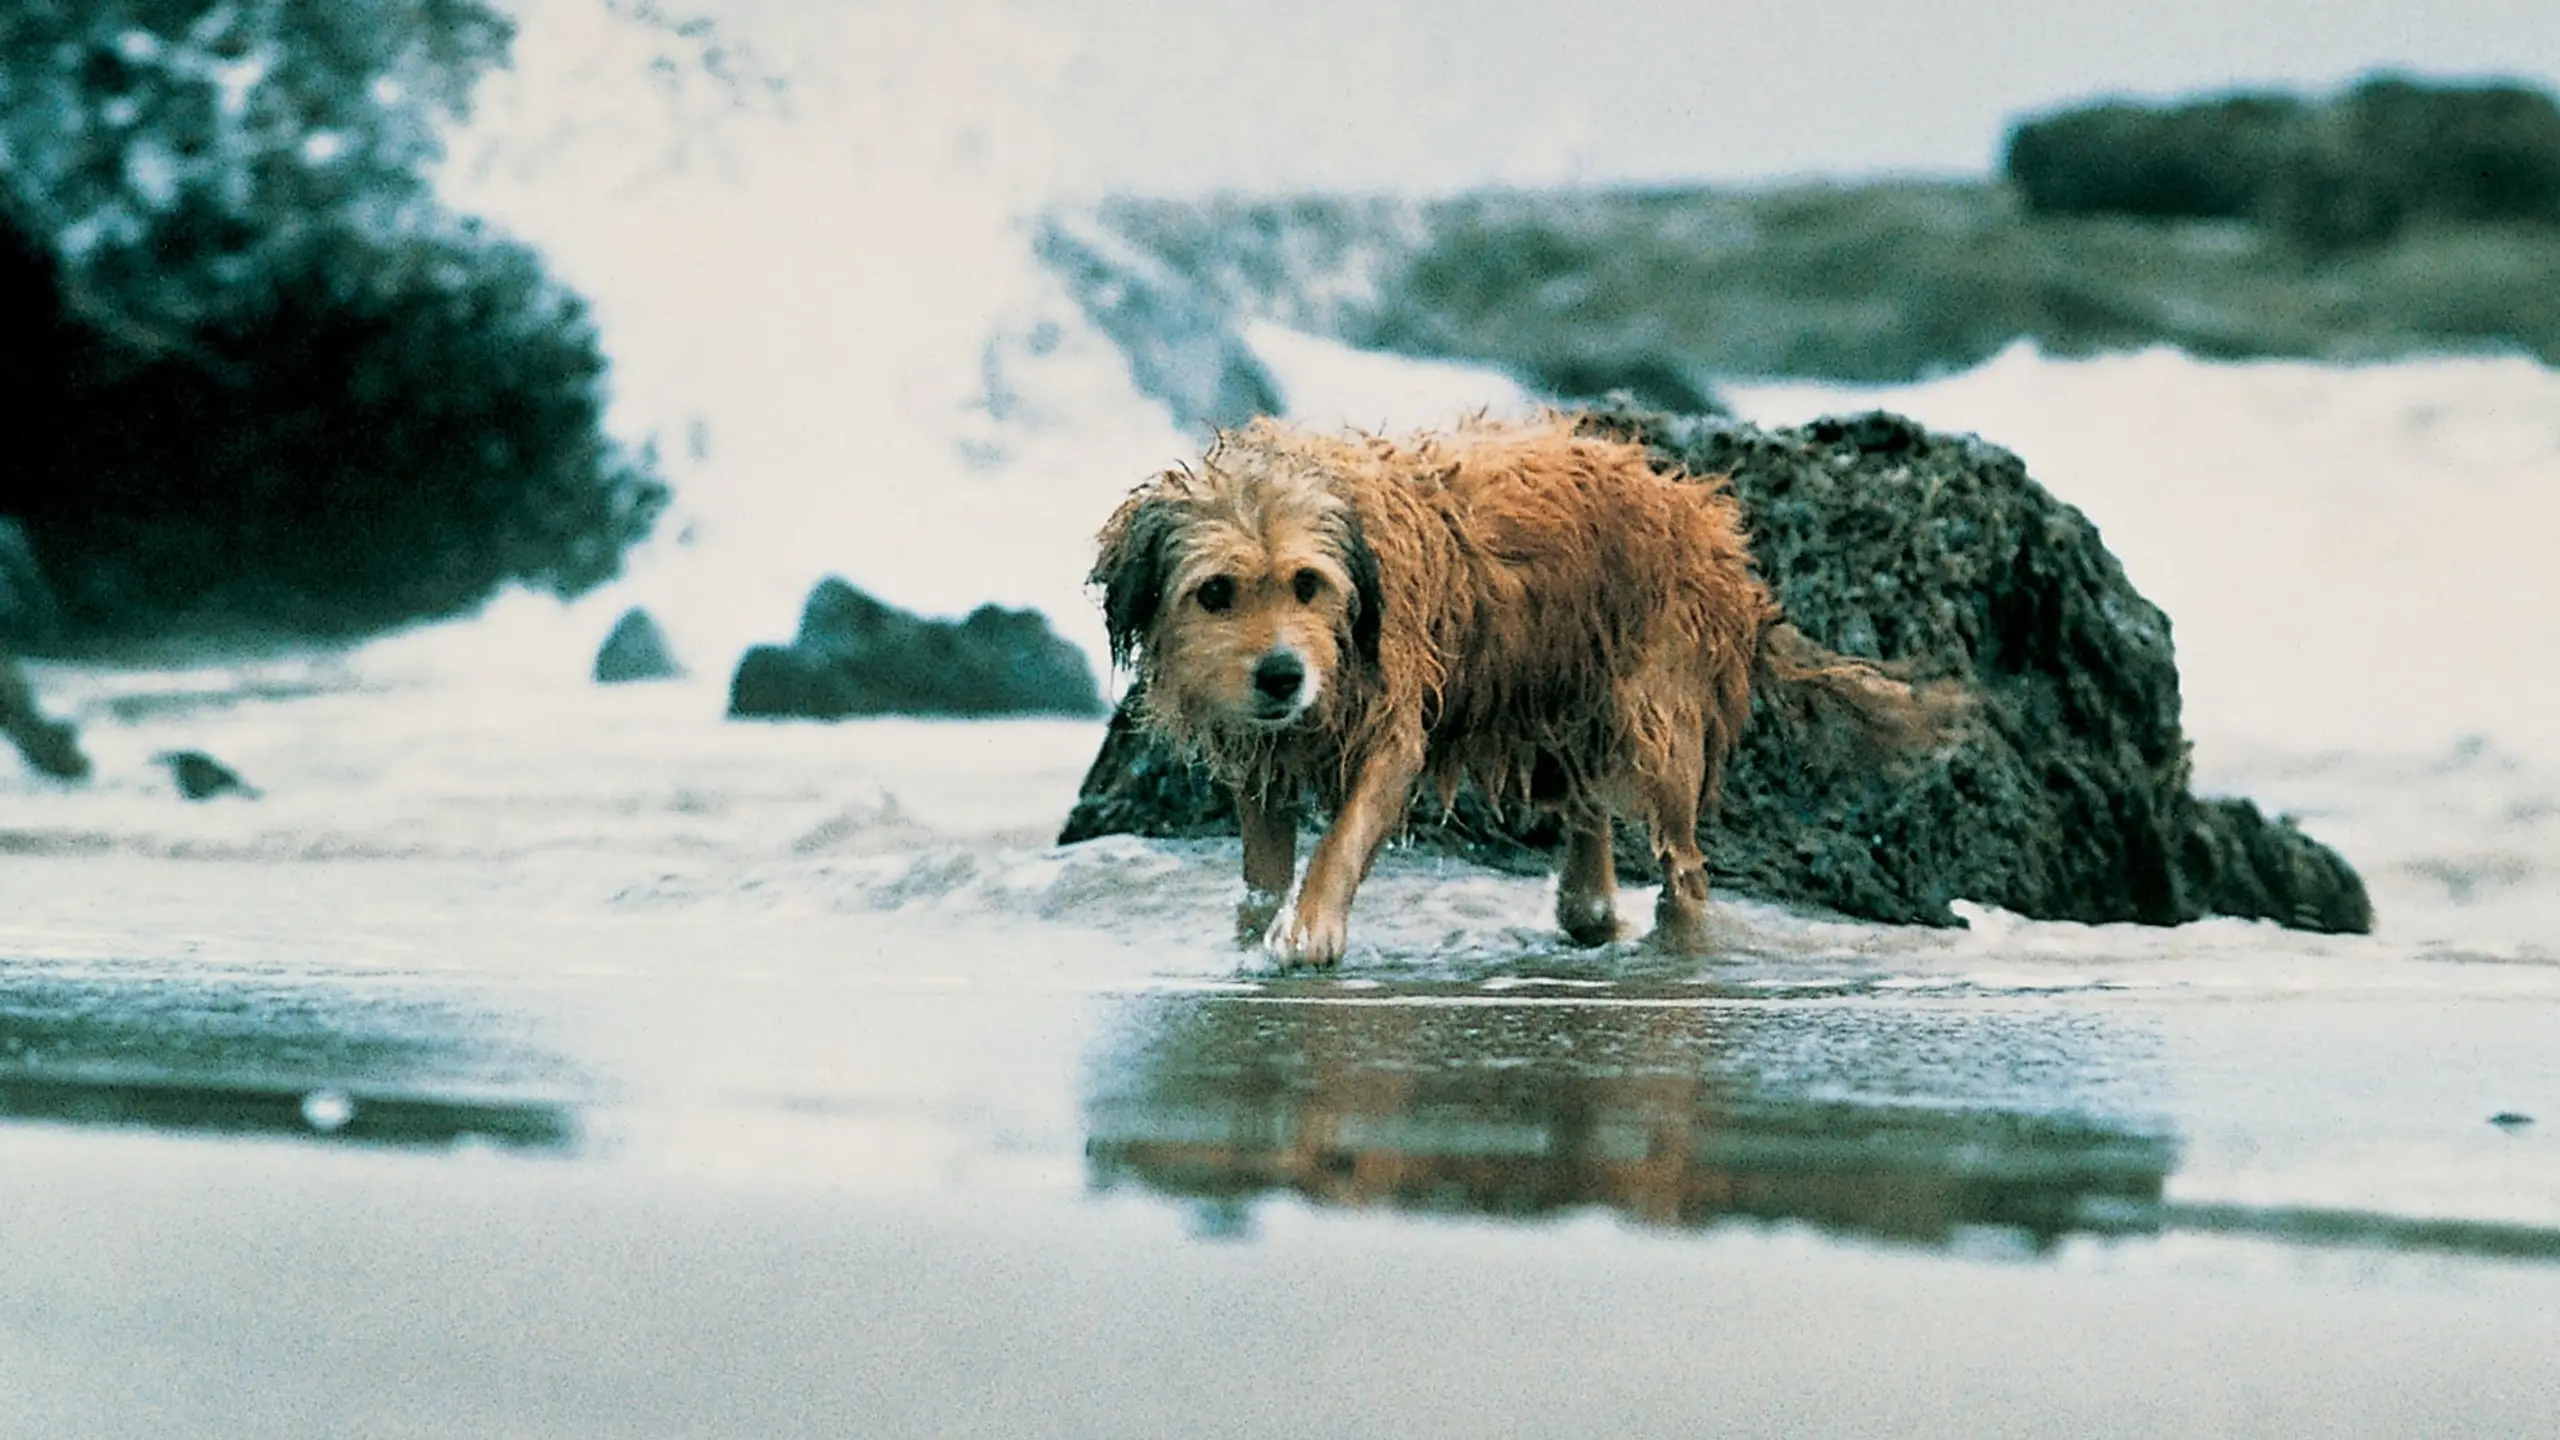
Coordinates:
1369	609
1136	546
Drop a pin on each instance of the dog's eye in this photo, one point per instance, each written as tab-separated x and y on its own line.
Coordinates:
1215	593
1307	584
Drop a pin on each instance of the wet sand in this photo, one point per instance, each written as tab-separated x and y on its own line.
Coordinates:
203	1290
801	1174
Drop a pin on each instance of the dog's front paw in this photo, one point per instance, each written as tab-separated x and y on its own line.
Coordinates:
1301	936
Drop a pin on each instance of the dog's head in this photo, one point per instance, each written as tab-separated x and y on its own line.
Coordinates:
1240	591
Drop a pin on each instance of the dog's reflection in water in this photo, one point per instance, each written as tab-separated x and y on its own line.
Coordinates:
1537	1108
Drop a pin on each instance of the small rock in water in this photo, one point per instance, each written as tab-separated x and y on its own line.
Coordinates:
855	655
2510	1120
636	650
201	777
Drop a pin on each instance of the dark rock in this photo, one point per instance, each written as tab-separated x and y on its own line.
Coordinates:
2333	174
636	650
857	656
201	777
29	615
2068	801
839	619
49	746
2238	862
2206	159
782	681
2510	1120
1138	785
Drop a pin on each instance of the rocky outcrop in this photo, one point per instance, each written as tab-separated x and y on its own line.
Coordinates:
2207	159
2069	798
636	650
2349	170
857	656
2390	223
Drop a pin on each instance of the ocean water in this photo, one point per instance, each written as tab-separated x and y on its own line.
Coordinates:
788	978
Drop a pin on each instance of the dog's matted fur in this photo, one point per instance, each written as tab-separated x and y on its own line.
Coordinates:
1527	604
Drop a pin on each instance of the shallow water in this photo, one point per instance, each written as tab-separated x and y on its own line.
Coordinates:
630	1071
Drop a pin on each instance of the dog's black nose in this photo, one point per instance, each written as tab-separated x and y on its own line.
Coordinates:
1279	674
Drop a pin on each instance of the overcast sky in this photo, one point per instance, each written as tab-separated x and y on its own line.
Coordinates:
1403	94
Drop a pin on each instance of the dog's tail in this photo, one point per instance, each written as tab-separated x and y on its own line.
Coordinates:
1891	715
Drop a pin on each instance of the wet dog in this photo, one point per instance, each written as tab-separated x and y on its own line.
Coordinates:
1530	605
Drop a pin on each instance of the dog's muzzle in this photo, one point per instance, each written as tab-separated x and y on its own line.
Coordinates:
1280	689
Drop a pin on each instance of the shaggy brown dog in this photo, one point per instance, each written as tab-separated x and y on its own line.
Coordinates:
1530	605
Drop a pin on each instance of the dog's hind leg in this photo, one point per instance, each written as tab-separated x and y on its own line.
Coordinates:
1670	790
1587	882
1270	827
1314	926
